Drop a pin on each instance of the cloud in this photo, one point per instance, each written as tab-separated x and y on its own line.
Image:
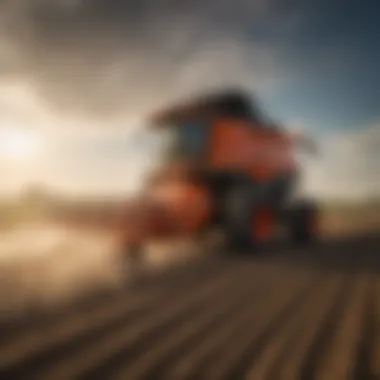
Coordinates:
348	165
104	56
83	65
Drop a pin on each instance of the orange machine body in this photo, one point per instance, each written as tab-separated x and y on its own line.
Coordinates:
231	144
253	150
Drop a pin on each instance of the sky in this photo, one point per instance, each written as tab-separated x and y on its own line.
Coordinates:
77	78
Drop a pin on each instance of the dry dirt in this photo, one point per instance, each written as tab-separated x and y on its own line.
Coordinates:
283	314
336	222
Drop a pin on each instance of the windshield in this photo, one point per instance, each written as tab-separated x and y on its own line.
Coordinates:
185	142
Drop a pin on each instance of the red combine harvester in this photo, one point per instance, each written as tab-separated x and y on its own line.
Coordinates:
227	168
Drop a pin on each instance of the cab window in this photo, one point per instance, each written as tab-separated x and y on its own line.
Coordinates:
187	141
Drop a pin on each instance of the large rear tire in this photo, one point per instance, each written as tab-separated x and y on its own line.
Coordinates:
238	218
303	220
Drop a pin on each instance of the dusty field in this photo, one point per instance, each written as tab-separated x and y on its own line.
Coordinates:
47	265
338	222
44	266
69	308
282	315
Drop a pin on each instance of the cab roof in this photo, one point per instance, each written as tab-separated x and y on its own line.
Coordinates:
227	103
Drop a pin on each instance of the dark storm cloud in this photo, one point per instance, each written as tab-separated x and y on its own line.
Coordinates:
98	56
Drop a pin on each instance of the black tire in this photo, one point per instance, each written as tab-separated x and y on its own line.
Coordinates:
238	217
303	220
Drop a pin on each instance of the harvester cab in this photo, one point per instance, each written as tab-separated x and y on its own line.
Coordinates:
225	131
191	124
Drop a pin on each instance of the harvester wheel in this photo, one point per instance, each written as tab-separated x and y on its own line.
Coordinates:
238	218
304	223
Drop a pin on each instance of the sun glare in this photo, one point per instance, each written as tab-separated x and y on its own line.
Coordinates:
18	144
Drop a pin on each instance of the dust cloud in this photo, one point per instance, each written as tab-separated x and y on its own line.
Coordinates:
43	266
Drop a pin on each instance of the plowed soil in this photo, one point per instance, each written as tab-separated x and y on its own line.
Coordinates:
284	314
